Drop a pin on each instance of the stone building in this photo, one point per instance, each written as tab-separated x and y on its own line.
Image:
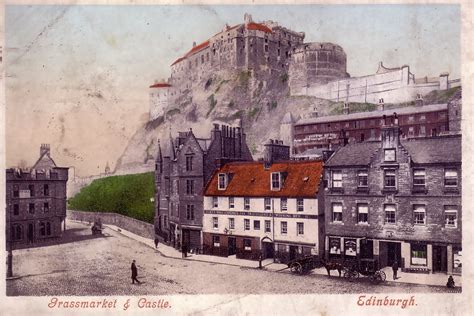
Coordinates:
159	99
182	173
414	121
35	201
271	208
396	199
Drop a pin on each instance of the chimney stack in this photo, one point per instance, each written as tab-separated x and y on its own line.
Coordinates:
275	151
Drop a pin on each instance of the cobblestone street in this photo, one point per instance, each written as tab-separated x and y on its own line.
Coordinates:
87	265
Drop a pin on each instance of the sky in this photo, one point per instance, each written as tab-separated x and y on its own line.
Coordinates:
77	77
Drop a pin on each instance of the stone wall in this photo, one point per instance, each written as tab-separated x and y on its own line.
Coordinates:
135	226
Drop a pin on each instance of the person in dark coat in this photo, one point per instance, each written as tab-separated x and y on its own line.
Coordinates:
184	250
450	283
395	269
134	273
156	242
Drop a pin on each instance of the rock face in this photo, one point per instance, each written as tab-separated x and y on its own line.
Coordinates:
224	97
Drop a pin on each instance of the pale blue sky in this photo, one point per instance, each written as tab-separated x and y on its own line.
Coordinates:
57	58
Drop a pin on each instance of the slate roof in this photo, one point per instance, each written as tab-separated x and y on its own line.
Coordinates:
374	114
422	151
253	180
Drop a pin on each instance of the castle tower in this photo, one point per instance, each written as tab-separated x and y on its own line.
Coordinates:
159	94
287	130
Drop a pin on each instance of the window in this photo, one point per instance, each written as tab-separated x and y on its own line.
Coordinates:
411	131
362	213
390	214
268	228
16	191
46	207
419	215
189	186
231	223
389	179
31	208
256	225
300	228
422	130
247	244
190	212
389	155
275	181
284	227
450	216
231	202
337	179
450	178
337	213
189	163
32	190
246	224
16	209
216	242
268	204
48	228
418	254
299	205
363	178
16	232
215	223
222	181
42	229
246	203
283	204
46	190
422	117
419	178
215	202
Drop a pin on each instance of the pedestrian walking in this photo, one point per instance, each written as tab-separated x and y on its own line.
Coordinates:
395	269
156	242
134	273
450	283
184	250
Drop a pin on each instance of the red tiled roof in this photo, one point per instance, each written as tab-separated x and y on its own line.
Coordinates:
252	179
160	85
258	27
193	50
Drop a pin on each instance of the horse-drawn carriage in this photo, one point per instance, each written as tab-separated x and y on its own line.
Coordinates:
365	267
302	265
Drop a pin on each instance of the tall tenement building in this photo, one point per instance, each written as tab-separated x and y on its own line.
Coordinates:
35	201
181	175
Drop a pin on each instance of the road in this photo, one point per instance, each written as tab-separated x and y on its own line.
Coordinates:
87	265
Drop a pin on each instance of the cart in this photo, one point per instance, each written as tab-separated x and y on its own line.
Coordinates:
301	265
365	267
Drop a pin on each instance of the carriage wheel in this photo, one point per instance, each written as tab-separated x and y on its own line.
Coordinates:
296	268
379	276
351	274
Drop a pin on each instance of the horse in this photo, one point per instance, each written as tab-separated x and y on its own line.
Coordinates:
332	266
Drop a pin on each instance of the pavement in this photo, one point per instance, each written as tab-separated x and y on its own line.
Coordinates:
437	279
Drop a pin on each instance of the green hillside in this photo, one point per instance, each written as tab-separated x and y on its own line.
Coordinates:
128	195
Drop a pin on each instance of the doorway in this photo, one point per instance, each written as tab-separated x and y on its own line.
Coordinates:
389	252
366	249
231	246
268	250
440	259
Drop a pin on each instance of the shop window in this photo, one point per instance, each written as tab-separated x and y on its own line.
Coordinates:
299	205
216	242
337	179
283	204
419	178
450	178
450	216
284	227
390	211
246	203
300	228
246	224
231	223
419	214
363	178
247	244
215	202
268	204
418	254
457	259
337	213
389	179
350	248
190	212
231	202
215	223
334	246
268	227
256	225
16	209
362	213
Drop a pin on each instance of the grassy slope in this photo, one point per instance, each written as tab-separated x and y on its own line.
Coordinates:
128	195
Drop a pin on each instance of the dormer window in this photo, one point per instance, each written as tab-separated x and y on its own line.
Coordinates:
222	185
276	181
389	154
